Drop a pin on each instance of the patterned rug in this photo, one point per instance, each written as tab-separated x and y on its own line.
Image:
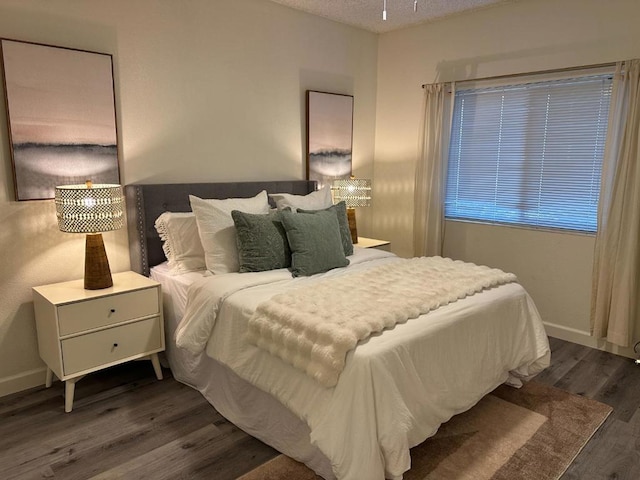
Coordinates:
530	433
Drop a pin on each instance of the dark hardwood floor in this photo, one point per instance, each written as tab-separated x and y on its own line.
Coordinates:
613	453
127	425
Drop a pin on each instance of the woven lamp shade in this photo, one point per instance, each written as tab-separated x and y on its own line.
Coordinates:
355	192
91	209
83	209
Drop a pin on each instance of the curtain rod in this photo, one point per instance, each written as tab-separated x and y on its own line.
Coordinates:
523	74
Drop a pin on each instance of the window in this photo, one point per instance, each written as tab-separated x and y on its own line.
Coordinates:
529	154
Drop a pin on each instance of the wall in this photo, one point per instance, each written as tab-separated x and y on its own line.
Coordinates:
205	91
515	37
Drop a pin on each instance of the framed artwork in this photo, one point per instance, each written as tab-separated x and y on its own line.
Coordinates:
329	136
61	116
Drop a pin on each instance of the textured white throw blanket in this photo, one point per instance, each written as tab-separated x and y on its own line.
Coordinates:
314	327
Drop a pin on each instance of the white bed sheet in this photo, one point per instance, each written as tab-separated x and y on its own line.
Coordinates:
389	397
246	406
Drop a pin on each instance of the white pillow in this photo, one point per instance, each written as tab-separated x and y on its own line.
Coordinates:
181	242
317	200
217	230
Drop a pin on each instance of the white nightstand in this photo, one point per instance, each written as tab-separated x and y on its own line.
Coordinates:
364	242
81	331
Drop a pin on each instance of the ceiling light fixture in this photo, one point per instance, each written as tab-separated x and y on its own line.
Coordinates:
384	8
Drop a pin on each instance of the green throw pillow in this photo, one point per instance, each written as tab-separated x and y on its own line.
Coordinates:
315	242
262	241
343	222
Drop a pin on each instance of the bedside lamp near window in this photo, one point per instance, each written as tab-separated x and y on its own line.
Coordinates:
356	192
91	209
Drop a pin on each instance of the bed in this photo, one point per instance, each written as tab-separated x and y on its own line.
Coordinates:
397	386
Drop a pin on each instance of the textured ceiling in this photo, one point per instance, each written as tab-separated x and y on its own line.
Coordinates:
367	14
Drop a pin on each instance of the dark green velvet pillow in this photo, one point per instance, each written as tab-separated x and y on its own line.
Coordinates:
343	222
315	242
262	241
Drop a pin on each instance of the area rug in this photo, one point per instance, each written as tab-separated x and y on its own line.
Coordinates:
530	433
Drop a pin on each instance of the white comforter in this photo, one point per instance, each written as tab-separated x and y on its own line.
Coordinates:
314	327
397	387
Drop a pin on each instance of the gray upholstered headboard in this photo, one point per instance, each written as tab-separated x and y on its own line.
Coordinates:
145	203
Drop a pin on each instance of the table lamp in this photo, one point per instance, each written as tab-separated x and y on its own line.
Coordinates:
356	192
91	209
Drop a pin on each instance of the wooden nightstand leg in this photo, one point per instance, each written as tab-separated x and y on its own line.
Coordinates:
69	392
49	380
156	365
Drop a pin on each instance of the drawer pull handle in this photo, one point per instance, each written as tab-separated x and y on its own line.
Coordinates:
115	345
113	310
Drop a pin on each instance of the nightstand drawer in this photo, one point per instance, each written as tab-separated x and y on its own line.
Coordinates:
98	312
106	346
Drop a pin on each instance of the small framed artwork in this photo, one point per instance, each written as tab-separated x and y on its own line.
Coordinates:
329	136
61	116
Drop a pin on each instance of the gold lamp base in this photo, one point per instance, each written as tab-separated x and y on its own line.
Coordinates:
97	273
351	217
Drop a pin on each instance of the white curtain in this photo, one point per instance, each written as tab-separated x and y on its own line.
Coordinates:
431	172
615	294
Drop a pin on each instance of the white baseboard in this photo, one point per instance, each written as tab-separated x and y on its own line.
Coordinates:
584	338
22	381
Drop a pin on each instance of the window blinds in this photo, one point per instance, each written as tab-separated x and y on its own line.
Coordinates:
529	154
